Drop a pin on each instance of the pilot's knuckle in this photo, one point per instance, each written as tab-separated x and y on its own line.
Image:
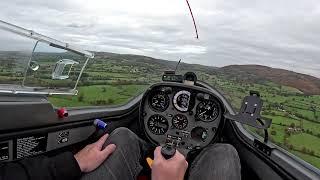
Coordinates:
156	164
181	159
90	146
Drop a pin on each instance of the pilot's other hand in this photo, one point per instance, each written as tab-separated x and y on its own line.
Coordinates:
173	168
92	156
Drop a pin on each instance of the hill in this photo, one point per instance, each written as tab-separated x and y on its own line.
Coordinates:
149	62
256	73
250	73
307	84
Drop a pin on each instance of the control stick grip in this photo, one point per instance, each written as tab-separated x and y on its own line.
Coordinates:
168	151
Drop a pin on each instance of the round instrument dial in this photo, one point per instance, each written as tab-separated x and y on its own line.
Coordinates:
180	121
199	134
158	124
159	101
207	111
181	100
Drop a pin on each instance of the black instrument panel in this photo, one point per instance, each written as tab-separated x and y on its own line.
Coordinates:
187	117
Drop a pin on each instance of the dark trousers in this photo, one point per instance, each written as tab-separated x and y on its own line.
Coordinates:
215	162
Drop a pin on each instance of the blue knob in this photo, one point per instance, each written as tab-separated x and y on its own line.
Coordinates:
100	124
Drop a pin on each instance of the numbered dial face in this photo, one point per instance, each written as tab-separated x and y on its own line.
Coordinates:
159	101
181	100
158	124
207	111
180	121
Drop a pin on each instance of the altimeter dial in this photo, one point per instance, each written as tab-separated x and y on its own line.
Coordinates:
207	111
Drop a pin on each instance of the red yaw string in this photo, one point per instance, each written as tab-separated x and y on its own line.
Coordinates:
194	22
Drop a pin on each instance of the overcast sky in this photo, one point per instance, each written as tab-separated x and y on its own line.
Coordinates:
277	33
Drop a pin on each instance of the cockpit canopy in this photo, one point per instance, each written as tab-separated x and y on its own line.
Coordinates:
31	63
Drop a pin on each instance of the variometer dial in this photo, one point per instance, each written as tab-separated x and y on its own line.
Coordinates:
159	101
207	111
158	124
181	100
180	121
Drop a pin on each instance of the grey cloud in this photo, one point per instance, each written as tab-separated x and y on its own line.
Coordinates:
283	34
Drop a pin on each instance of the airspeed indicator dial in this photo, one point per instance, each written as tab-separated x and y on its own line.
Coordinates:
159	101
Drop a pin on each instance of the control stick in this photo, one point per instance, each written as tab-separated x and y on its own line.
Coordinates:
168	151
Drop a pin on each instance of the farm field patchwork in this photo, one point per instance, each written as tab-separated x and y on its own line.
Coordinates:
113	79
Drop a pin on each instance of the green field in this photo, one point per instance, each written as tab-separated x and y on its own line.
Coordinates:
113	79
288	108
304	145
310	159
99	95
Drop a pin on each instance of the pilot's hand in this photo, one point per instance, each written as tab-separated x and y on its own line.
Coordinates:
173	168
92	156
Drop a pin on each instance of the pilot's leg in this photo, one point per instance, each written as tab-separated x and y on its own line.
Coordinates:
124	163
218	161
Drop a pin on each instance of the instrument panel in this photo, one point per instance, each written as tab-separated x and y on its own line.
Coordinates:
187	117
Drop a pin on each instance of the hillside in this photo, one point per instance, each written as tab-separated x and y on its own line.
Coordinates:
251	73
149	62
114	63
255	73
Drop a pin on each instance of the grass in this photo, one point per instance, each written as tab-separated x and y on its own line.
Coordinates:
283	120
67	101
315	161
279	133
305	140
290	89
307	125
296	103
114	75
112	95
292	99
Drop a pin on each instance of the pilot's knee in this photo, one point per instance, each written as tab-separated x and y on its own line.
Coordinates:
121	131
123	137
226	149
